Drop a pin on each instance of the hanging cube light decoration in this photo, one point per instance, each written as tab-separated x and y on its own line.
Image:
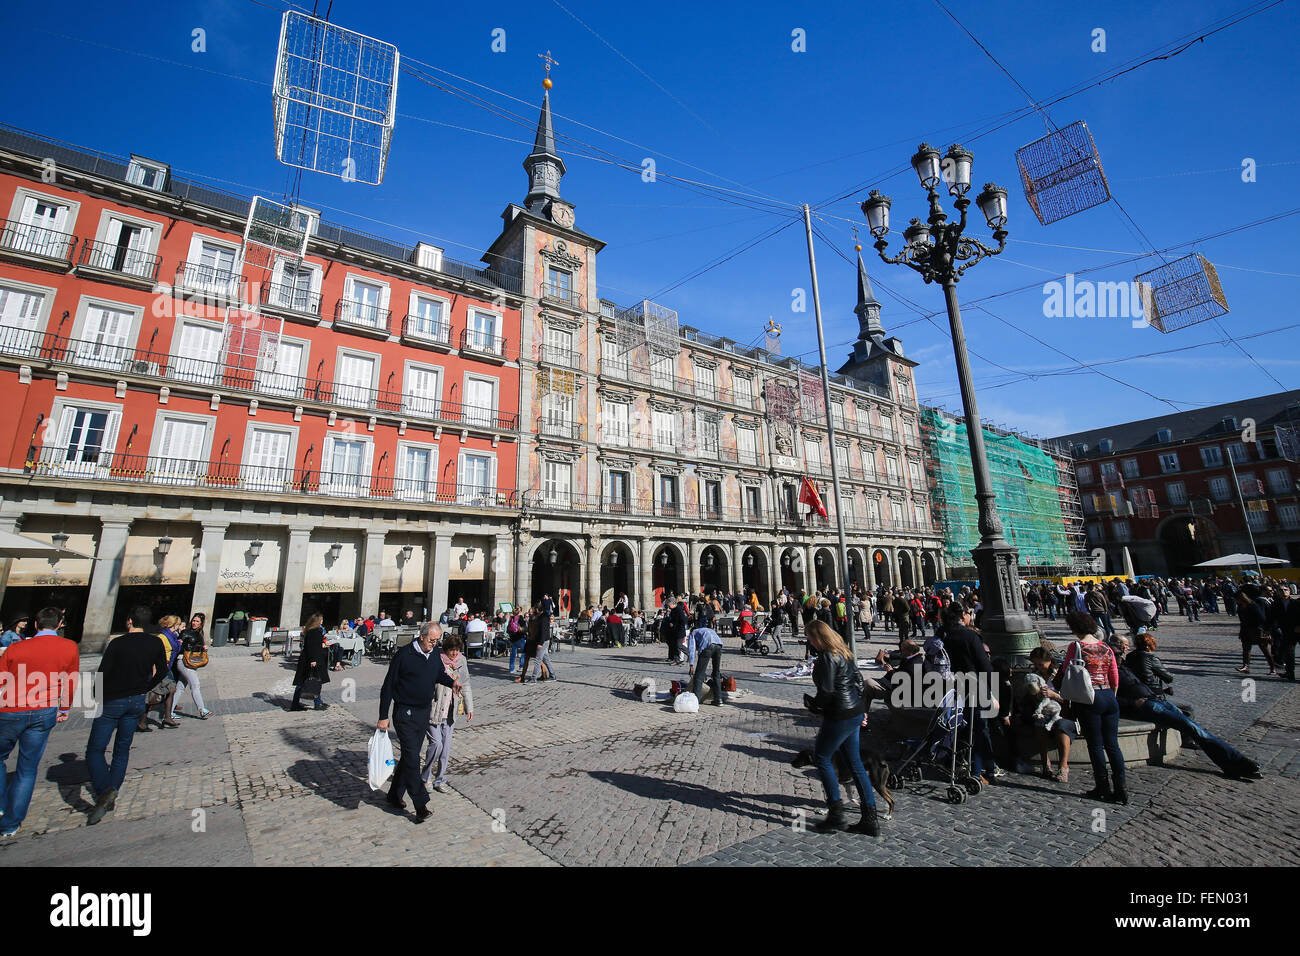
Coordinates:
1062	173
335	99
1181	293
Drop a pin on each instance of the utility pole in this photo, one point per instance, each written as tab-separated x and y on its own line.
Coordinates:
1250	534
846	584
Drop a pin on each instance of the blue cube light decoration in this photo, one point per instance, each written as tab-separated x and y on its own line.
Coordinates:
1062	173
1181	293
335	99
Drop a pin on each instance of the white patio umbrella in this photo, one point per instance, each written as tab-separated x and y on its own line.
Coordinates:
20	546
1240	560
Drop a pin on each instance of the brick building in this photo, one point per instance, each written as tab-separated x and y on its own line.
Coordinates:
1163	486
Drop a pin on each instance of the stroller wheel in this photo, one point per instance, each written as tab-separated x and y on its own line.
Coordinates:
895	782
763	649
956	795
972	785
914	773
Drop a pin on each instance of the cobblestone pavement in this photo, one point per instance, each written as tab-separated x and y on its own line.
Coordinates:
578	772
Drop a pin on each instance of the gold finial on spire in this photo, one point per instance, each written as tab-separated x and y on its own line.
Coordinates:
857	245
550	62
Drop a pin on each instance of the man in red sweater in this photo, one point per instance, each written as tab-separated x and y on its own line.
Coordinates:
37	680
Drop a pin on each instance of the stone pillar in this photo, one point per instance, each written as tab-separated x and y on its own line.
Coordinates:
693	569
9	523
869	575
104	581
501	568
205	582
295	577
646	597
523	571
737	572
809	569
372	571
439	573
895	580
774	569
591	596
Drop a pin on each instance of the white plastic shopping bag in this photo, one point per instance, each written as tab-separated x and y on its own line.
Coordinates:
686	703
381	759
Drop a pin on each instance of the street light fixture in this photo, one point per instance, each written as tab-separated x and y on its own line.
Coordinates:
255	549
554	556
164	545
59	539
939	251
407	551
336	549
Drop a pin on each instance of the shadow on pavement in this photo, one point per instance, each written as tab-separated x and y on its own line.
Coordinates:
70	775
766	808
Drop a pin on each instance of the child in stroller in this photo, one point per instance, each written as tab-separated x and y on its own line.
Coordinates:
751	639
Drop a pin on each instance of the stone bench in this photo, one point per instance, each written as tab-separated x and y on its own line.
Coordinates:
1140	741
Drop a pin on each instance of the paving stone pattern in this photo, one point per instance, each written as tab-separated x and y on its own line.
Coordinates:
577	772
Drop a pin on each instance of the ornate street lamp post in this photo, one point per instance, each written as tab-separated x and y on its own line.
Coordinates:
939	252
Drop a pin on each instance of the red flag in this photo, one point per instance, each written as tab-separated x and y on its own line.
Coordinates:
808	496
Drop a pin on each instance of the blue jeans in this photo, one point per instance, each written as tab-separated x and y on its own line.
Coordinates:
119	717
1104	620
29	729
1164	714
516	650
842	735
1100	724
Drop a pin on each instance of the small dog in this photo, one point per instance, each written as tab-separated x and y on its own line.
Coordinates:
266	653
877	770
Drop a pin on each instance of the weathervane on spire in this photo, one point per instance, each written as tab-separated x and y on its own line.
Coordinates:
550	62
857	245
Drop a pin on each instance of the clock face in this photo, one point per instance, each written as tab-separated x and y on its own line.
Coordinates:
562	215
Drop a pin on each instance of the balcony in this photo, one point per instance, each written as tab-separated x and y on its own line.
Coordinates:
242	374
364	317
37	242
427	332
208	281
482	345
559	428
561	358
63	464
294	301
120	260
565	298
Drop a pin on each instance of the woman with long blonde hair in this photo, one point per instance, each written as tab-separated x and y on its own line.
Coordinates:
313	664
841	704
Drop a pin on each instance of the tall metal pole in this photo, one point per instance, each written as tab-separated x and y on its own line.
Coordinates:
846	585
1250	534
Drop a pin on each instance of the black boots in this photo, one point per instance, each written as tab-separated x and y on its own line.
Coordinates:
869	824
834	820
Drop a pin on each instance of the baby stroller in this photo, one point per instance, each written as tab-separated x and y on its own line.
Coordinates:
945	748
752	639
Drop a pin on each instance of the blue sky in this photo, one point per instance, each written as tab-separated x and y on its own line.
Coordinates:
714	92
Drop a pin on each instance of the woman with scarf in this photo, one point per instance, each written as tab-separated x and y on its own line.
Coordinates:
447	703
192	642
163	694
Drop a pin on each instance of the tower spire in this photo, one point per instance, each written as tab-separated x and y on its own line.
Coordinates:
544	165
868	309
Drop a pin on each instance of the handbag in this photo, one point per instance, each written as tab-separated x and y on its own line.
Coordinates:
196	659
1076	682
311	687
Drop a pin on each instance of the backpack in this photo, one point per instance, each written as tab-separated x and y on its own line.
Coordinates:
512	627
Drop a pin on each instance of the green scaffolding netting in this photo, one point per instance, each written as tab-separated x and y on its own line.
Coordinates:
1026	481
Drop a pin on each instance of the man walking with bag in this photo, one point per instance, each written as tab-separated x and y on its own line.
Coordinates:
409	688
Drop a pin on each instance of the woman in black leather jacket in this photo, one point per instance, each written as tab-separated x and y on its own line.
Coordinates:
840	702
1143	662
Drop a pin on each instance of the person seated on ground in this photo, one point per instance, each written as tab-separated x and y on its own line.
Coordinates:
1040	707
1137	701
910	669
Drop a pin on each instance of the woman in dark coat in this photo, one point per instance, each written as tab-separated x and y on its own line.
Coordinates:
313	662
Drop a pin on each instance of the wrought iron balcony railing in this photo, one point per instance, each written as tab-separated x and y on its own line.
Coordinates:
559	428
562	358
37	240
208	280
421	328
480	343
109	257
555	293
90	464
291	298
356	314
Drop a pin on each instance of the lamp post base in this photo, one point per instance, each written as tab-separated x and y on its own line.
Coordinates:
1005	625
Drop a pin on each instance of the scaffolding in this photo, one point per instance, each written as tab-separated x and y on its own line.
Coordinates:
1036	494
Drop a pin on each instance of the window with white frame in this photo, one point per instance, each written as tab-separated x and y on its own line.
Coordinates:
1289	515
708	434
747	445
427	318
1279	481
753	501
180	449
665	429
896	512
86	438
914	469
105	337
706	383
557	482
126	247
1177	492
812	453
744	390
1085	474
615	418
1220	489
365	303
873	512
482	331
869	463
1237	452
668	494
891	469
295	286
1169	462
611	358
1130	466
1211	456
422	391
417	472
1121	530
1258	520
1109	471
1094	532
559	283
842	456
918	515
663	373
210	266
476	478
198	352
43	228
143	172
904	391
909	432
557	414
354	379
711	498
558	347
346	468
21	310
281	374
618	488
267	465
887	425
480	401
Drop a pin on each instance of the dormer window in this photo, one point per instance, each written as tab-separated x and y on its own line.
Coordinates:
147	173
428	257
305	220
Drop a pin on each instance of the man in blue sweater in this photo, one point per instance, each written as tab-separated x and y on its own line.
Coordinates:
413	676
